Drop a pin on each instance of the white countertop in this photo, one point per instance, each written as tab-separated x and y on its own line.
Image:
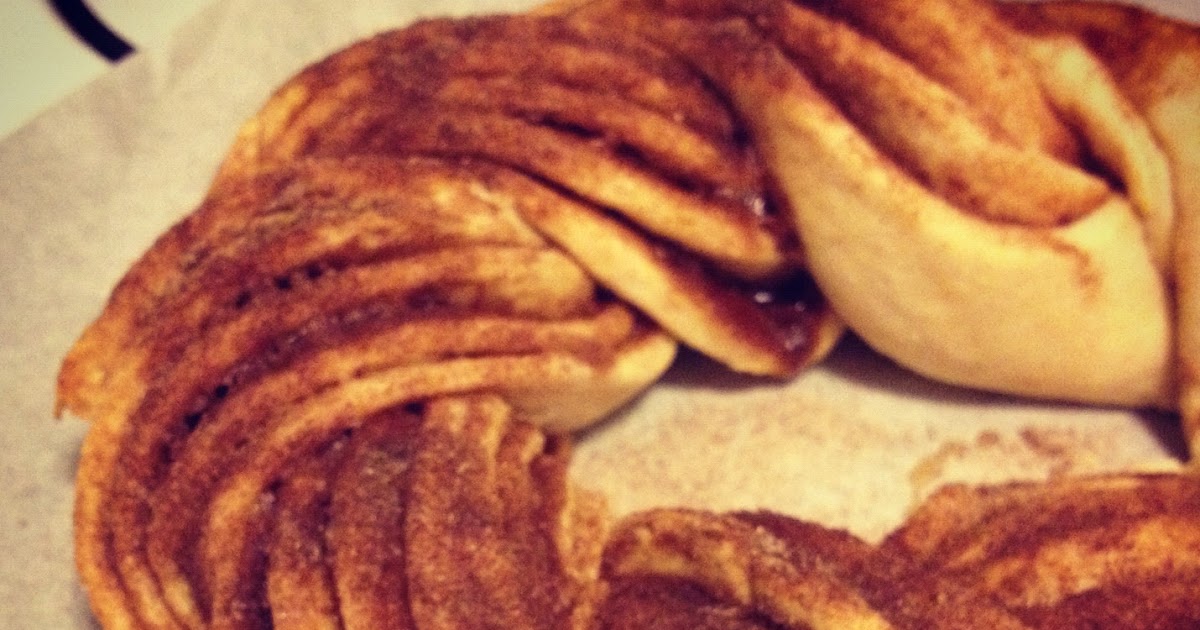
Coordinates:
42	61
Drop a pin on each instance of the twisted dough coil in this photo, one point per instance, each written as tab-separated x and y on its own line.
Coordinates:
881	161
1083	553
434	231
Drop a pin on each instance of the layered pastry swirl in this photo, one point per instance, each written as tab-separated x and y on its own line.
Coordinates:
340	393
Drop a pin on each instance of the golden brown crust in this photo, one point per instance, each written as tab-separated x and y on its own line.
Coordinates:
1155	61
487	526
1026	555
334	395
322	301
300	590
1043	549
963	45
745	568
411	101
1093	261
368	510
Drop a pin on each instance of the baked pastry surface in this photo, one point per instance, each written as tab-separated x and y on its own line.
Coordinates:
340	392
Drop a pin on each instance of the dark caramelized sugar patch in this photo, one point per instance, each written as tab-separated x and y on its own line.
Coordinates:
795	306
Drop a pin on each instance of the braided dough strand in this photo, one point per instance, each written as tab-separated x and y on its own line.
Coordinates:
340	392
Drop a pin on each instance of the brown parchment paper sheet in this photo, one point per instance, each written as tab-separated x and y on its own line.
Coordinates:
89	184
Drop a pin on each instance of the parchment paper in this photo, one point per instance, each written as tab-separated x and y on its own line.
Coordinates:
87	186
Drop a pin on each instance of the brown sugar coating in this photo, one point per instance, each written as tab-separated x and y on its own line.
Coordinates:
341	392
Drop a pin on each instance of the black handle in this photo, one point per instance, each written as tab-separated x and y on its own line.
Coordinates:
88	28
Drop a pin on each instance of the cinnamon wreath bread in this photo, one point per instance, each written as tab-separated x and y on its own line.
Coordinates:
341	392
